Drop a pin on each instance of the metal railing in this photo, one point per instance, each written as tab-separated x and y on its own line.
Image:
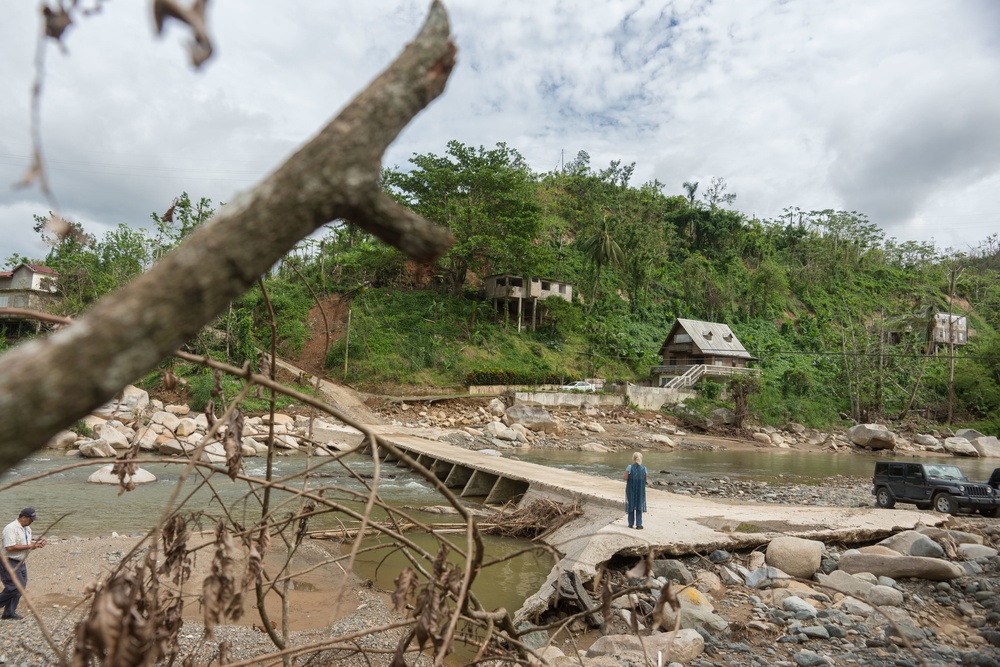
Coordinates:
687	375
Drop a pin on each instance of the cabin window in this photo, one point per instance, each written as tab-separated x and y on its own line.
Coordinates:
682	338
562	289
546	286
4	300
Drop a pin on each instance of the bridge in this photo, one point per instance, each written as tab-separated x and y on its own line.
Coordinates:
675	524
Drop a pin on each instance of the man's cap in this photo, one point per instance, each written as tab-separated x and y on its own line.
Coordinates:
29	512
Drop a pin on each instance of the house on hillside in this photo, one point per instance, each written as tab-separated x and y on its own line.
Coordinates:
957	330
521	296
29	286
695	349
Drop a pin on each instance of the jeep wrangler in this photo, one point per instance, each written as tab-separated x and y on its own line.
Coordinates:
940	486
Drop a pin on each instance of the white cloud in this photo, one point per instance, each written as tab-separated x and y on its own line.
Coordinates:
886	108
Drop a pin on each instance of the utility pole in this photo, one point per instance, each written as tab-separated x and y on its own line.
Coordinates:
951	344
347	342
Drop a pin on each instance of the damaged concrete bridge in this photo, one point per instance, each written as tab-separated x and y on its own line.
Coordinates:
674	524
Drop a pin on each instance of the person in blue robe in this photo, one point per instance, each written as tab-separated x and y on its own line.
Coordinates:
635	491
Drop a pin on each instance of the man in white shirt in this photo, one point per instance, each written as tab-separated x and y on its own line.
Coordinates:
16	544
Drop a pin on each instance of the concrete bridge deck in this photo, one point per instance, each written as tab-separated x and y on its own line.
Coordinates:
674	524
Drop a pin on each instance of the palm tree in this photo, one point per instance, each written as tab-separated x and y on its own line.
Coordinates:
601	248
690	188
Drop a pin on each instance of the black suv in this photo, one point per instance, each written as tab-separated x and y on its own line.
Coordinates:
941	486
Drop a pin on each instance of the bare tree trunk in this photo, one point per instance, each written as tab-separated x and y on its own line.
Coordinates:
50	383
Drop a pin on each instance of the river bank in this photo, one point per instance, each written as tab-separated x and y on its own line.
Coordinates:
758	623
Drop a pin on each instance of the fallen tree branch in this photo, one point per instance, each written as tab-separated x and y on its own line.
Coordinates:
48	384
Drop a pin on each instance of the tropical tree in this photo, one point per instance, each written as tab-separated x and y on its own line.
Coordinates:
486	197
601	249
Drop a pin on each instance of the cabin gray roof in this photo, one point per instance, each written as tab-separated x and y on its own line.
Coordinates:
710	338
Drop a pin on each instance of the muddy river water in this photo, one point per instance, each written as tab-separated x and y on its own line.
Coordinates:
69	506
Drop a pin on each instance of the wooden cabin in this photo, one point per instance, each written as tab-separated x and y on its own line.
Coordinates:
520	296
694	349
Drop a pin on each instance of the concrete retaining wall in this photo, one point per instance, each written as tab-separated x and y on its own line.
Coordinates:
654	398
568	399
497	389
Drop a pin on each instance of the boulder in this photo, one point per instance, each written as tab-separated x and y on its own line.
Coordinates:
496	407
279	418
956	536
872	436
62	440
285	441
255	445
898	567
672	569
926	440
722	417
179	410
113	437
762	438
146	437
134	398
172	446
884	596
535	418
185	427
959	447
682	646
696	613
767	577
96	449
987	446
168	419
794	555
103	475
912	543
842	582
975	551
593	447
969	434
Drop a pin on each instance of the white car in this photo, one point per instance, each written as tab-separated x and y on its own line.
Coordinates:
579	385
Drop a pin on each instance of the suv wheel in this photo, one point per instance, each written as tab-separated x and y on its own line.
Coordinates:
945	503
992	512
884	499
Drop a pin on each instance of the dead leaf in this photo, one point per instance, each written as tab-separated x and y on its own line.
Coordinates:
194	17
56	21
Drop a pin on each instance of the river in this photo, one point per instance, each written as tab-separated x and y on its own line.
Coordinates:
69	506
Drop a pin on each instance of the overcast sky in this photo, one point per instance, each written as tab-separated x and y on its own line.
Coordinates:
889	108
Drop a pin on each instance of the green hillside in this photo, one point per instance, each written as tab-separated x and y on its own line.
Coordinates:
836	312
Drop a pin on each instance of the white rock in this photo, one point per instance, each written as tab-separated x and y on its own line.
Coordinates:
103	475
113	437
96	449
186	426
167	419
62	440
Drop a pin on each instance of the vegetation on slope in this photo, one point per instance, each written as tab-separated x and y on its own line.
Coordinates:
837	314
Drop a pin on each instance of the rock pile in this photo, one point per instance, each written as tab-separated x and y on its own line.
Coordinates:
172	430
929	592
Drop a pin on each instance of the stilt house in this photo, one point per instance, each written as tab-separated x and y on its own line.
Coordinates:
519	297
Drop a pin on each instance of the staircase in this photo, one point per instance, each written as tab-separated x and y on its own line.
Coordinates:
690	376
